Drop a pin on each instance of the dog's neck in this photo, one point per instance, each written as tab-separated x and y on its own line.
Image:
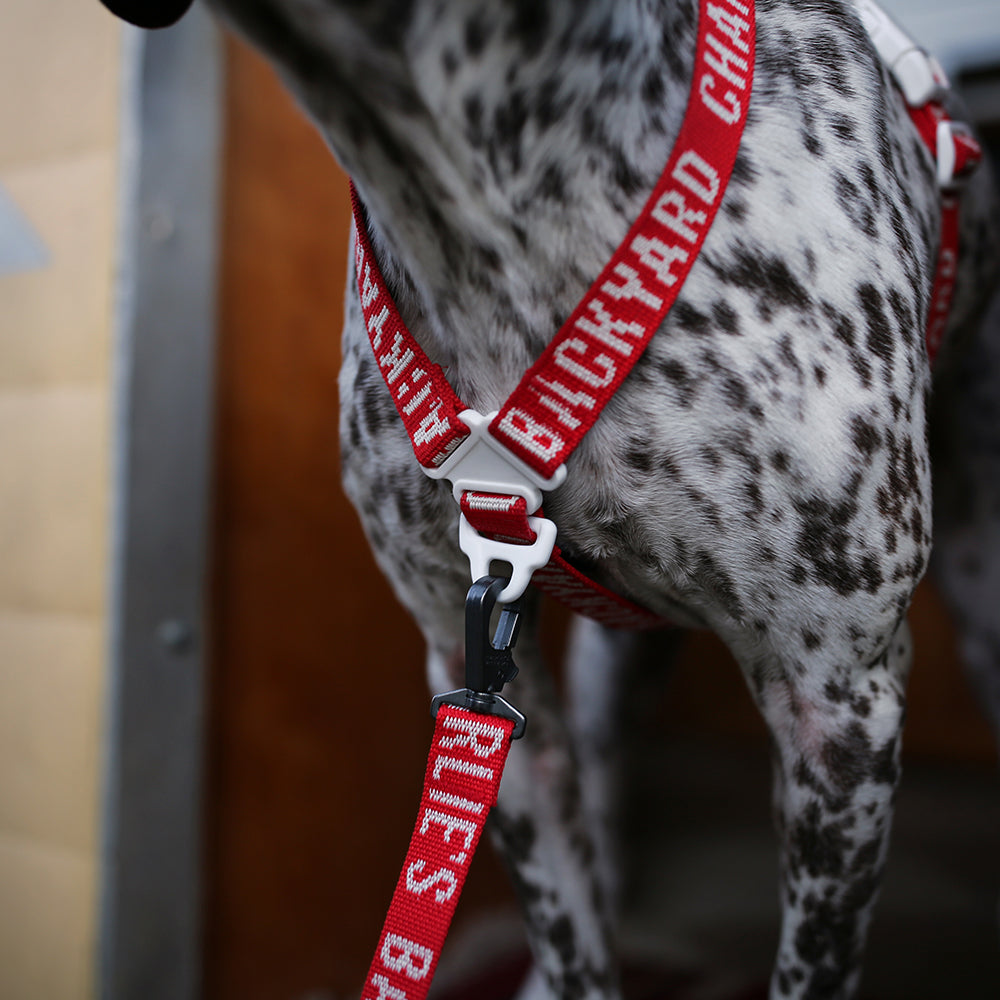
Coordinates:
501	148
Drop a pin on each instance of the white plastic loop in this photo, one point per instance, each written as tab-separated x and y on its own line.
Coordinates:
484	465
481	464
524	559
946	154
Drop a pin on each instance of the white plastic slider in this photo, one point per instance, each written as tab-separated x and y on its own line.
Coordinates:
481	464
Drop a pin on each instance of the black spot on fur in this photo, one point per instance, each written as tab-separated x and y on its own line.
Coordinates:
726	317
530	25
680	378
718	583
477	33
690	318
653	88
865	436
824	541
811	639
767	275
880	341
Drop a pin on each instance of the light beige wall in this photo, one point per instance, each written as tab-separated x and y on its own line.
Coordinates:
59	78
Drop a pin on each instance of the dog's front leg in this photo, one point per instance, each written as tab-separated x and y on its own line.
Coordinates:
539	827
836	740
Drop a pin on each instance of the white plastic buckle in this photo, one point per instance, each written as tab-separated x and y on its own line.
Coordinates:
917	74
482	464
947	154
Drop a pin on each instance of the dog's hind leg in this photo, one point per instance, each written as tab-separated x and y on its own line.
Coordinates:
836	736
966	562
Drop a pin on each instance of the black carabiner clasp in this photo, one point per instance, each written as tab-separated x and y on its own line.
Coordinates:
489	663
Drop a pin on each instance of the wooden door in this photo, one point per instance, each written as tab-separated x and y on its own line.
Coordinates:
319	721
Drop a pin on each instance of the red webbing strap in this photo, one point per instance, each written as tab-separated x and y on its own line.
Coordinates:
466	761
425	401
562	394
944	277
967	155
506	518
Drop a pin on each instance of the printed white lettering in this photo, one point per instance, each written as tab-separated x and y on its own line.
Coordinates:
578	399
450	824
534	436
481	738
386	991
403	955
368	288
443	763
633	287
696	174
600	375
729	111
396	358
724	59
419	885
375	327
607	329
458	801
659	257
671	211
422	394
561	410
433	426
730	24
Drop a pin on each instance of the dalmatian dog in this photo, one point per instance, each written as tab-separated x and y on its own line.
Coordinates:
765	471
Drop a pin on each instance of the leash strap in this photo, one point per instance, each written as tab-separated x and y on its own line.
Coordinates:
466	760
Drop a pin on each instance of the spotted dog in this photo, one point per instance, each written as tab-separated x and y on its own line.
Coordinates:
764	472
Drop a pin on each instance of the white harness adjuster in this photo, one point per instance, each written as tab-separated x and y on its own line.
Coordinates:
916	72
481	464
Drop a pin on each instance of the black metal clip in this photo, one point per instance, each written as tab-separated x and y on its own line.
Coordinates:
489	663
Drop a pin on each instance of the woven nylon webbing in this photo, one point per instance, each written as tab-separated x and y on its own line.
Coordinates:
563	393
466	761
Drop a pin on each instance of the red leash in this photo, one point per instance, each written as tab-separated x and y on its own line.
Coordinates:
460	787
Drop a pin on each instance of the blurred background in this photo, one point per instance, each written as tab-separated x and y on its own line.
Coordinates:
190	620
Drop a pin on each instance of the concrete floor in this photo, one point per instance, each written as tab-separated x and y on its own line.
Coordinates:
702	899
707	892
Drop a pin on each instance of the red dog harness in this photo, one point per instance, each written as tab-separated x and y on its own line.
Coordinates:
500	463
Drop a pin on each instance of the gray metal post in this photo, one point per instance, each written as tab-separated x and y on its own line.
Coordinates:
150	898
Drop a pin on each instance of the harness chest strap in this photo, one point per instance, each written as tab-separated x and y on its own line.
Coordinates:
521	450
